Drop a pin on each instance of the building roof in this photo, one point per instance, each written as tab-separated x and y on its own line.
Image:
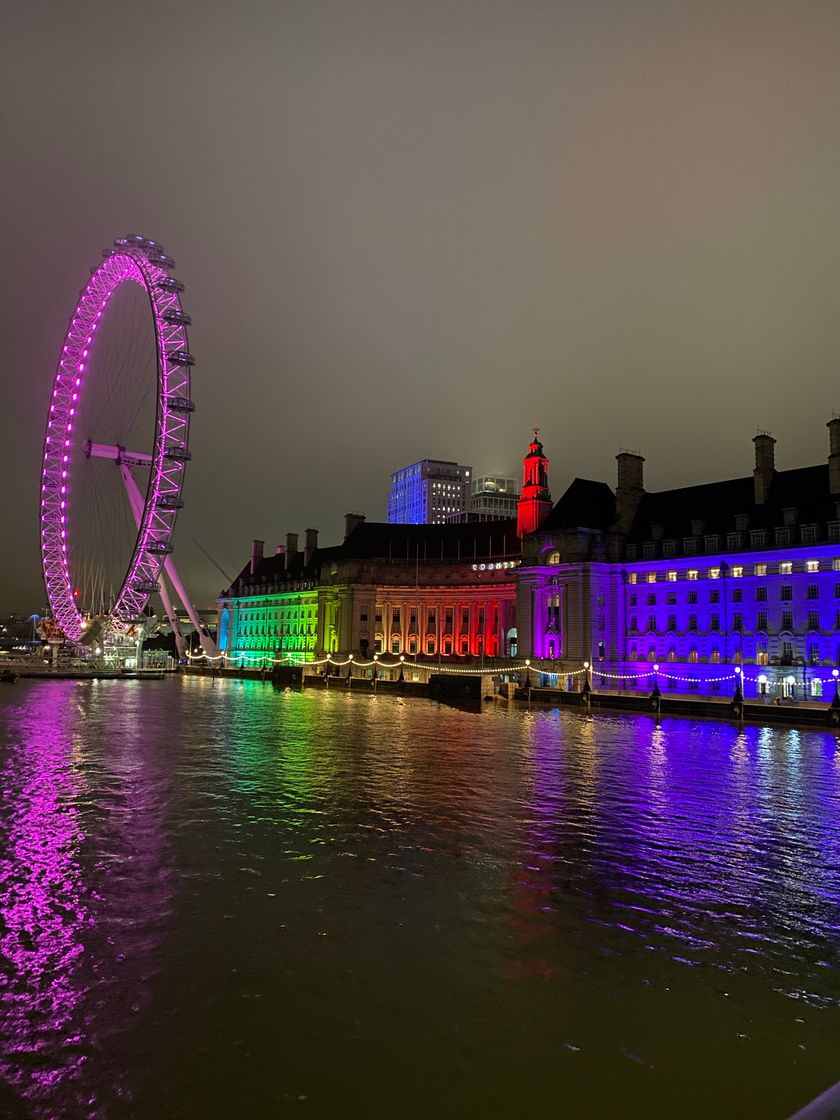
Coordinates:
716	504
483	540
585	504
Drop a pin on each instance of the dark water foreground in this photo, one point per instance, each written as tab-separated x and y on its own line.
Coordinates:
217	901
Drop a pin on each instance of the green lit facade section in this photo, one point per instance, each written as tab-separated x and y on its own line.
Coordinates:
271	625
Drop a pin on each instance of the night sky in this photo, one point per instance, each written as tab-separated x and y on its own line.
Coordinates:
417	229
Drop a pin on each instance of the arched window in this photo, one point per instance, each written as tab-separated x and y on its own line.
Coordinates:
715	657
553	557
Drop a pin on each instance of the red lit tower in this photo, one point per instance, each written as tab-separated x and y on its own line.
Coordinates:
535	499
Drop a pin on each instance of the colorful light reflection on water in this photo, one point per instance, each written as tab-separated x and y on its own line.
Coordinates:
217	900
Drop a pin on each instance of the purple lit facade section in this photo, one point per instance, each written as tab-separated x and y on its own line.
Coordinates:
772	613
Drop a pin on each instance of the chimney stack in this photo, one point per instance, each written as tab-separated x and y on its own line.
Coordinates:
291	548
311	546
765	466
630	488
256	554
351	520
280	550
834	455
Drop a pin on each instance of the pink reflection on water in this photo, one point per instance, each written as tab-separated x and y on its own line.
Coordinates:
44	904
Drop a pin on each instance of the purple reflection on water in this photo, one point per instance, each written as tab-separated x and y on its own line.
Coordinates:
85	895
44	904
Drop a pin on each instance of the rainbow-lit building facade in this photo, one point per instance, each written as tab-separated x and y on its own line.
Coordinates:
677	586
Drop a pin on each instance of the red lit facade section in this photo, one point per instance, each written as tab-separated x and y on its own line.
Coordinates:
535	499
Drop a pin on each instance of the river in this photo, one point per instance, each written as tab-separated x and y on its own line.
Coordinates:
221	901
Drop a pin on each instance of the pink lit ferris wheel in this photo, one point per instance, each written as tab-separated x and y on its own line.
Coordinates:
117	445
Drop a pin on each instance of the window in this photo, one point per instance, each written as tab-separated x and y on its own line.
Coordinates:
648	550
742	521
714	596
786	593
377	618
761	594
651	577
737	595
631	552
714	573
696	528
737	621
734	540
689	545
715	622
834	530
669	548
671	577
737	571
363	618
692	657
812	565
813	620
711	543
553	557
787	620
692	573
631	577
809	534
671	599
760	570
395	645
692	622
715	659
784	536
634	624
651	622
789	516
672	622
785	568
651	600
395	616
761	653
813	591
692	597
835	564
761	620
758	538
633	598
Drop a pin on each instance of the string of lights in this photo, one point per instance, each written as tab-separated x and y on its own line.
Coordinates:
656	671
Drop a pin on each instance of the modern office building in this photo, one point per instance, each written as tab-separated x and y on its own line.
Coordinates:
494	498
428	492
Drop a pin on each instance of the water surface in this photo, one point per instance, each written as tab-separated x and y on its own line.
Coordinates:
220	901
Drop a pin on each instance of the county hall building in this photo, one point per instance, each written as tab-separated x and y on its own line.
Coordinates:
697	580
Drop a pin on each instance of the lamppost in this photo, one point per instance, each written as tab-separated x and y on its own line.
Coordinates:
586	694
656	695
528	673
401	677
738	695
791	683
761	680
349	668
373	674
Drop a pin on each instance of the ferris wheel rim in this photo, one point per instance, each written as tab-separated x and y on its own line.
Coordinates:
142	261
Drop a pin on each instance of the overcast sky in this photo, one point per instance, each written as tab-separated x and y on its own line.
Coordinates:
417	229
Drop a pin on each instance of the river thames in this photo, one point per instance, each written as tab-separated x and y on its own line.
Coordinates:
222	901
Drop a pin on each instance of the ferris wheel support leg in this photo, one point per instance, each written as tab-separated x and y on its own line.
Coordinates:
137	503
166	599
207	643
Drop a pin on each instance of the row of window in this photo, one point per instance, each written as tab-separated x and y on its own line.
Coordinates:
736	571
785	622
782	536
785	595
787	654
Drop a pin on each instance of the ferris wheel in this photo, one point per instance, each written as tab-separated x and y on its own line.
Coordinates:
116	448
